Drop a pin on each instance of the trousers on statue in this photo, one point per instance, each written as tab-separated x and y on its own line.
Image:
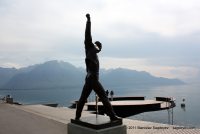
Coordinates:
92	83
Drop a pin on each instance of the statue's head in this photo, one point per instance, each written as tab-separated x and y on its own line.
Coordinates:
98	45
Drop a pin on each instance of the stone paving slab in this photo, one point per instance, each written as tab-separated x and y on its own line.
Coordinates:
143	127
16	121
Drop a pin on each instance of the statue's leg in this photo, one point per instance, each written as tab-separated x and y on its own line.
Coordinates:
98	88
84	95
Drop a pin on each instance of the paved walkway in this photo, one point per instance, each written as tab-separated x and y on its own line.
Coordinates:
17	121
143	127
39	119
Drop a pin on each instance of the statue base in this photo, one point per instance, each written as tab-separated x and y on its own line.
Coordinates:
93	125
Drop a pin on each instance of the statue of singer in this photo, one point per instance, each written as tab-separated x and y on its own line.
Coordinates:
92	78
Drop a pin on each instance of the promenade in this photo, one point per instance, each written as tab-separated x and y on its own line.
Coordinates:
39	119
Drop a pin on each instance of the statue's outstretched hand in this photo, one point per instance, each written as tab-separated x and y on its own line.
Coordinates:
88	16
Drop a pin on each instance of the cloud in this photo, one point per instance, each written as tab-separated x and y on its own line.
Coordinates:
167	18
145	33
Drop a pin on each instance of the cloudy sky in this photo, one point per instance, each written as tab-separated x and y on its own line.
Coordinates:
158	36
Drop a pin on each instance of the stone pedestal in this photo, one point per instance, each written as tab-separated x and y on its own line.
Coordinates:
93	125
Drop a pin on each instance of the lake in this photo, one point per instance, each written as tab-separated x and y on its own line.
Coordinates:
188	116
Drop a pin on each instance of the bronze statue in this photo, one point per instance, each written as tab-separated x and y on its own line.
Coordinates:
92	78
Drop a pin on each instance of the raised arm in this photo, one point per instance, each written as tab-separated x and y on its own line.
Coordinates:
88	36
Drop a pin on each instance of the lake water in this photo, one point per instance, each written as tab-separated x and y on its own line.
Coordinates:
188	116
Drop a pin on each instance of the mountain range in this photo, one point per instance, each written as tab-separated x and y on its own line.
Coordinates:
59	74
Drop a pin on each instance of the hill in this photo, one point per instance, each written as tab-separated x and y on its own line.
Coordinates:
54	74
127	77
6	74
